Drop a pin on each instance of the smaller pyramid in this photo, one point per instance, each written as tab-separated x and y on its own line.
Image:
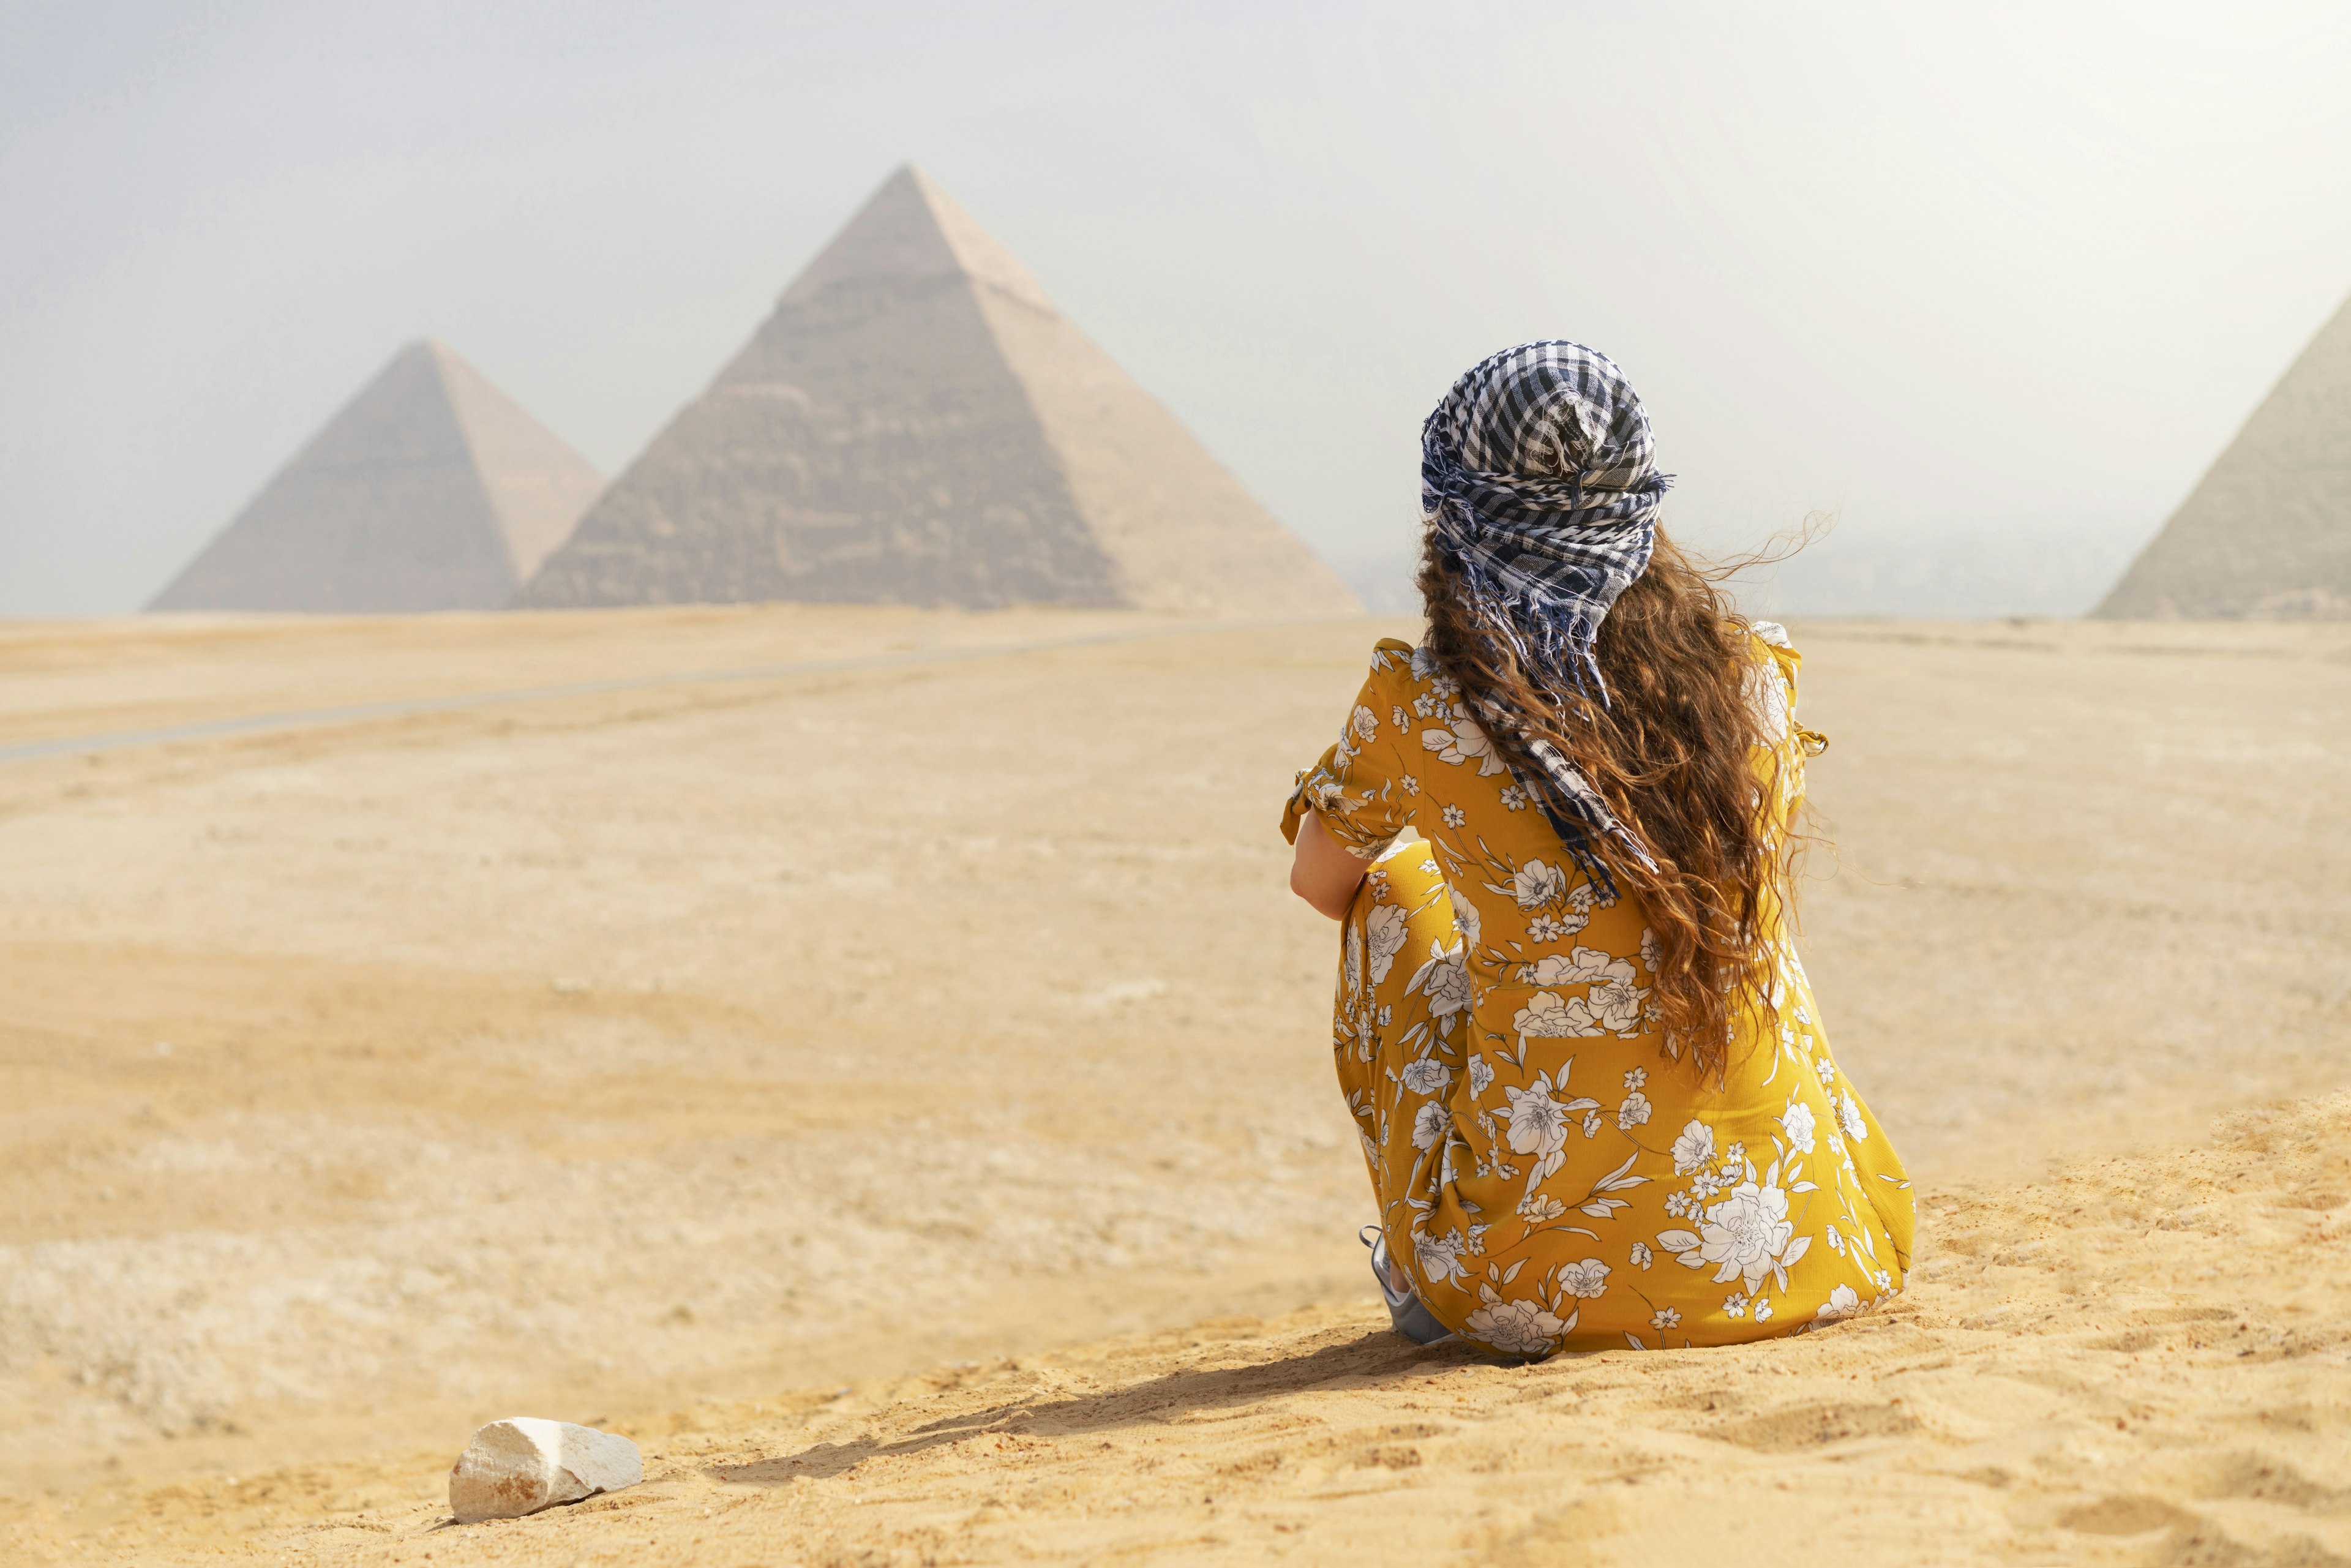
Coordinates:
430	490
917	423
2266	533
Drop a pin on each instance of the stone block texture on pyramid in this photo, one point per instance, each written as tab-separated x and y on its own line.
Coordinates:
916	423
430	490
2266	533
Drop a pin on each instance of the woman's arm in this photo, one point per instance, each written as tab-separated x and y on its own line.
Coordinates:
1322	873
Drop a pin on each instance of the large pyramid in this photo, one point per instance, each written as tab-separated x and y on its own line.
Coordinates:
917	424
2266	533
430	490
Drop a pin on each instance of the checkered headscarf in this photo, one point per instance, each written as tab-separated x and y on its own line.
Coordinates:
1538	478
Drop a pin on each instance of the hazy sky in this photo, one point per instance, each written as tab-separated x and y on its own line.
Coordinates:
1994	282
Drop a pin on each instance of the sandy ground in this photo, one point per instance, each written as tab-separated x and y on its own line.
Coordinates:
2136	1361
655	1050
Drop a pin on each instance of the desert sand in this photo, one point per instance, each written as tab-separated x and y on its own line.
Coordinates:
896	1095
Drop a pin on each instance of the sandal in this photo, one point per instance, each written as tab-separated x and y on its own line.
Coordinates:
1410	1318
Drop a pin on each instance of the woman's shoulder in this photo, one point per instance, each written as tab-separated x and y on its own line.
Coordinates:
1396	662
1775	650
1774	637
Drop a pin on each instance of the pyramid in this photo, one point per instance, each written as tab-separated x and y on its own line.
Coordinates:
915	423
430	490
2266	533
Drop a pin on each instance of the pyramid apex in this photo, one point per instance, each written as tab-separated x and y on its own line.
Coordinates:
444	361
909	229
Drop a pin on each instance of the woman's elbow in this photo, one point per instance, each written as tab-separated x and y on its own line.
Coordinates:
1322	898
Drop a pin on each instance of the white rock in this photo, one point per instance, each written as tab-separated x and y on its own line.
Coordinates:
523	1464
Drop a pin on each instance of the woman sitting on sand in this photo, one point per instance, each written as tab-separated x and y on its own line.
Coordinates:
1591	1083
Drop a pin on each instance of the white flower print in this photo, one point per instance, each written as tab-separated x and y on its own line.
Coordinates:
1427	705
1591	1124
1767	693
1577	967
1445	979
1734	1156
1365	723
1665	1318
1849	1117
1536	884
1747	1235
1351	962
1411	785
1513	798
1549	1015
1633	1112
1681	1205
1424	664
1642	1256
1460	741
1827	1070
1763	1311
1453	816
1427	1077
1545	928
1634	1077
1694	1148
1617	1005
1540	1208
1428	1124
1481	1075
1465	916
1395	717
1539	1123
1648	949
1835	1239
1384	929
1844	1302
1796	1120
1515	1328
1439	1258
1587	1279
1734	1306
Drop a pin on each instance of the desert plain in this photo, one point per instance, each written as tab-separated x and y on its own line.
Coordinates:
870	1056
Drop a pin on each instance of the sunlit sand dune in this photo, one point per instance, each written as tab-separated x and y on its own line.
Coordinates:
658	1047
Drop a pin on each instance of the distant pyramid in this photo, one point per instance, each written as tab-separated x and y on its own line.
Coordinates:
917	424
431	490
2266	533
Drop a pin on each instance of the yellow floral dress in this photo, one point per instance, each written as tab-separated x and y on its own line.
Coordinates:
1549	1178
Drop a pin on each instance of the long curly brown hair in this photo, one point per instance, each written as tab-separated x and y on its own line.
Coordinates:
1675	752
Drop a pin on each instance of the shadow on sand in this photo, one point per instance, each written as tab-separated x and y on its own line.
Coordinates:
1369	1359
